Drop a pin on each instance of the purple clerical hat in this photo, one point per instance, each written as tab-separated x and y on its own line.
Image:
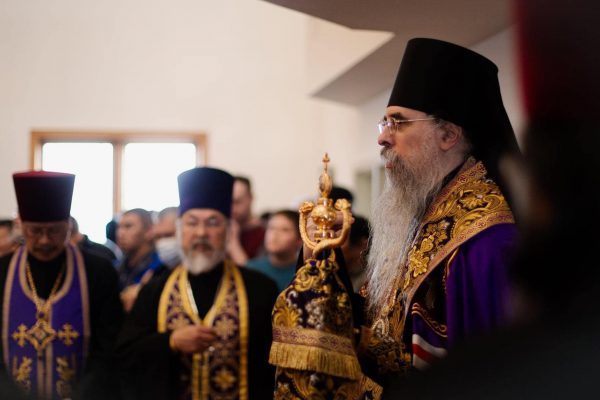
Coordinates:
44	196
205	187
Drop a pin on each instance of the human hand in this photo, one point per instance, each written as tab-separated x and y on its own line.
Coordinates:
192	339
128	296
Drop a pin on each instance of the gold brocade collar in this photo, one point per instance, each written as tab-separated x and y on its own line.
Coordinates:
466	206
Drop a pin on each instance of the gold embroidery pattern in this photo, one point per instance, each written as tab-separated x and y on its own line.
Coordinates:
20	335
41	334
385	352
221	372
225	327
224	379
67	334
469	204
448	223
286	312
307	385
310	337
224	360
313	310
439	329
66	373
456	217
22	373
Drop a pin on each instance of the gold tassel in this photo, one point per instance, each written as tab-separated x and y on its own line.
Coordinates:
307	358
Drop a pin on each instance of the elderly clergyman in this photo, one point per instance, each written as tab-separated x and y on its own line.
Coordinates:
203	331
442	228
60	306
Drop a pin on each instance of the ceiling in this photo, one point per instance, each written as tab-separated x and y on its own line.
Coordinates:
465	22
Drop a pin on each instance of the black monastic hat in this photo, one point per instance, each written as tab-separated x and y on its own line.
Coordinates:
205	187
460	86
44	196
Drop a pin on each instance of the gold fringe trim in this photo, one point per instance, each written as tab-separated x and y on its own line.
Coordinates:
306	358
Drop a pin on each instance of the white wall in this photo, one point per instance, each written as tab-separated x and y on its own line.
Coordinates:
500	48
236	69
240	70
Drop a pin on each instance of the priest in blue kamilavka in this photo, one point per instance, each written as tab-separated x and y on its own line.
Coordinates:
60	307
202	331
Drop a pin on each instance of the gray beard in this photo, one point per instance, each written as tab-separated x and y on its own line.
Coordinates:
396	215
199	263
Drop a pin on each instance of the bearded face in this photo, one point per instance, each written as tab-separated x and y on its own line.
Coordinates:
412	182
202	235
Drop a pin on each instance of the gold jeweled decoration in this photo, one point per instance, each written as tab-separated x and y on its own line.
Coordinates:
323	215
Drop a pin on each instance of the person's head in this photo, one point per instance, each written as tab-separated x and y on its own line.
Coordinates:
76	235
282	236
205	206
165	238
338	192
241	209
356	248
44	200
7	239
445	106
166	224
134	231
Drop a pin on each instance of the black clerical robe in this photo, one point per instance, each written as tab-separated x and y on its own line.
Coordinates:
105	318
151	370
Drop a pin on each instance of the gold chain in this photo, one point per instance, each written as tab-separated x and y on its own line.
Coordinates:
39	304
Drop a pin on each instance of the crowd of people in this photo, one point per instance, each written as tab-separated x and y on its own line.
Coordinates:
473	279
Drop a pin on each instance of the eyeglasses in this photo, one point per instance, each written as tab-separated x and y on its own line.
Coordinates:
393	125
37	232
209	223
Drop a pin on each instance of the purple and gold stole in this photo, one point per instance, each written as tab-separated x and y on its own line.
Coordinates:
45	356
222	372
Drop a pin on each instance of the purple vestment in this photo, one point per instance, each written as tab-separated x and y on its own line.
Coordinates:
45	354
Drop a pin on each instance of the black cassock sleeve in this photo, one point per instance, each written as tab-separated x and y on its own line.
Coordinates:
146	361
100	380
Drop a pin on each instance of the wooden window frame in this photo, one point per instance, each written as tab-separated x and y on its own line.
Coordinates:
118	140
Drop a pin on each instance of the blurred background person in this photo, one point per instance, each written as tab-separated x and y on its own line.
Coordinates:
356	250
282	244
141	261
111	239
84	243
247	233
165	238
8	239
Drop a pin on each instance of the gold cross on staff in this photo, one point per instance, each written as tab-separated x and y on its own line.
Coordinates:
67	334
20	335
325	161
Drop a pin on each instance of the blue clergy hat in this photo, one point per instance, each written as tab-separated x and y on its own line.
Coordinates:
205	187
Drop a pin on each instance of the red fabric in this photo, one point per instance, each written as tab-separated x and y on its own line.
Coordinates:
559	58
252	240
423	354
